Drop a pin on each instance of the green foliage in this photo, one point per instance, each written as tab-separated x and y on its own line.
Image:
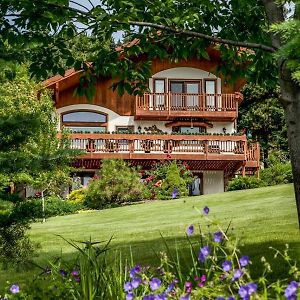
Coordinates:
30	151
15	246
289	52
172	183
262	115
117	183
54	206
77	196
279	173
243	183
165	176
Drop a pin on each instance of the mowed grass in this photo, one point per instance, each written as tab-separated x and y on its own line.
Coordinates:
260	218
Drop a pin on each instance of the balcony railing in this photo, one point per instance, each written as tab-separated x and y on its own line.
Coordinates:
200	105
150	146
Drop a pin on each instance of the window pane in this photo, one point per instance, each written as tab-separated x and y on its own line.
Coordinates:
84	116
176	87
86	129
196	129
124	129
192	88
159	86
210	87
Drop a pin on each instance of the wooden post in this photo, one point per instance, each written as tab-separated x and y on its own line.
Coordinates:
244	169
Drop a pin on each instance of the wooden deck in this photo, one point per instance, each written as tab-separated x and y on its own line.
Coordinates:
168	106
206	152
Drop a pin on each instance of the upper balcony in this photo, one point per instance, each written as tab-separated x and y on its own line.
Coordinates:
169	106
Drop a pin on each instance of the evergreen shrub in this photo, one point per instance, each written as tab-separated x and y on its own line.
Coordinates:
118	183
243	183
173	185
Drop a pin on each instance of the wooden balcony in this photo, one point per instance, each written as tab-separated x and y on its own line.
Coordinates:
253	156
168	106
150	146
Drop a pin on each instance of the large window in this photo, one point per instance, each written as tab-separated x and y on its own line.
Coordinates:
84	121
185	94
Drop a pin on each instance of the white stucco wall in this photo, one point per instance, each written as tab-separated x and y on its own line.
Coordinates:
185	73
213	182
114	119
218	127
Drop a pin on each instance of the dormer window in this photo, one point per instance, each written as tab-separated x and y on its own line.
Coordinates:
84	121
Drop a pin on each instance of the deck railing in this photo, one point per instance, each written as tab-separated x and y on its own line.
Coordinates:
209	146
253	155
175	102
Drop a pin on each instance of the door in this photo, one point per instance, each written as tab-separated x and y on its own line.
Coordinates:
177	97
210	91
192	97
159	97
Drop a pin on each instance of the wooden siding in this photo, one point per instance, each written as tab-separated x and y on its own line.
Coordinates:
125	105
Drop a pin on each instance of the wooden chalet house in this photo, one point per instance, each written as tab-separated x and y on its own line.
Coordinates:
189	114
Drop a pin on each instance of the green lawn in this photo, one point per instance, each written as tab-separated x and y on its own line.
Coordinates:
261	218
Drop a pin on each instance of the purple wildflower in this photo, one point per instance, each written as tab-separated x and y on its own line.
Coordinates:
188	287
174	193
220	298
77	279
227	265
291	291
245	291
15	289
204	253
218	236
136	282
63	273
135	270
170	288
231	298
190	230
237	274
185	297
128	286
75	273
205	210
155	283
161	296
244	260
252	287
203	278
129	296
149	297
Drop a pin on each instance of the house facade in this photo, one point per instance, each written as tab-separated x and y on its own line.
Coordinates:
188	114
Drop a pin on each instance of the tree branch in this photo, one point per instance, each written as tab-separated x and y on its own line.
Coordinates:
74	2
202	36
275	15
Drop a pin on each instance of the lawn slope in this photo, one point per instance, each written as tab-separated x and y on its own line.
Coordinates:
260	217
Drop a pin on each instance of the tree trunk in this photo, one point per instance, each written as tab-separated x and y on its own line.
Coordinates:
290	95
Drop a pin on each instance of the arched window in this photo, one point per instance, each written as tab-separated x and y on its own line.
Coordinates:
84	121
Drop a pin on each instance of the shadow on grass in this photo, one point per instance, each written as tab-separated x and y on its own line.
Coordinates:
148	252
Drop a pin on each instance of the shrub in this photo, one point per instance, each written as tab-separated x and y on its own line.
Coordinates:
247	182
118	183
278	173
77	196
173	185
15	246
176	172
54	206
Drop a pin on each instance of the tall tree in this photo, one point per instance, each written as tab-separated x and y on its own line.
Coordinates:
167	29
29	147
262	117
